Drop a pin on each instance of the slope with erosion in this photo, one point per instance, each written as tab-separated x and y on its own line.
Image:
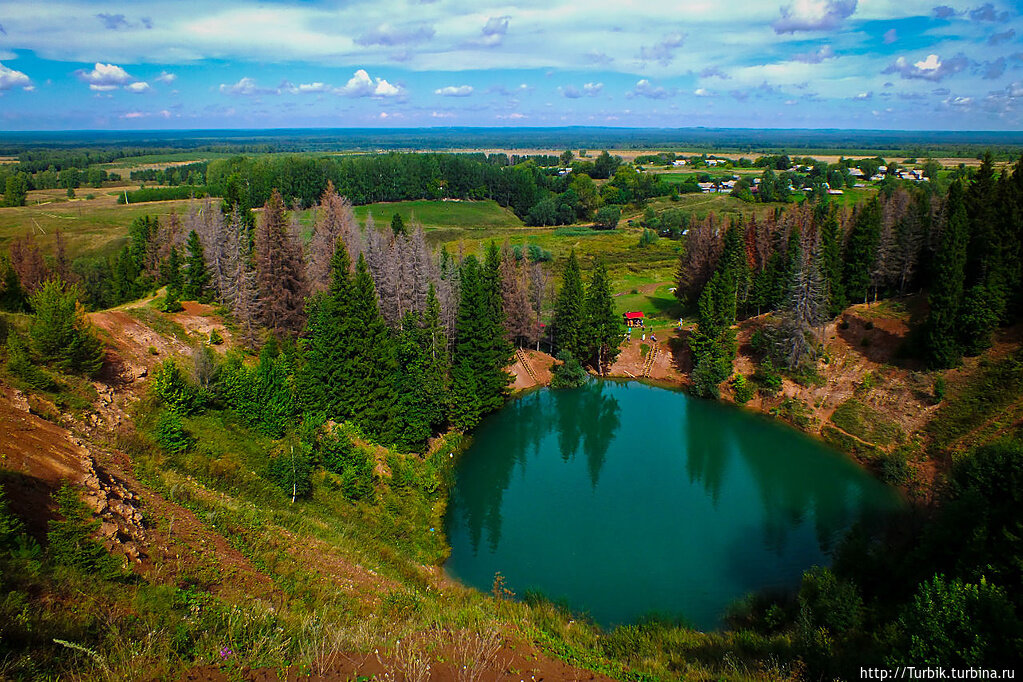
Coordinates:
354	604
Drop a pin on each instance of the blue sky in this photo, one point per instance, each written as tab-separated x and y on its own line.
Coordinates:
877	64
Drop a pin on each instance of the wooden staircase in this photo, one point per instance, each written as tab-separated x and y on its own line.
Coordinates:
522	358
648	364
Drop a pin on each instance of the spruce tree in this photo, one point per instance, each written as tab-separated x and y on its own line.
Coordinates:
860	251
371	392
60	333
280	274
603	324
414	403
466	405
172	277
568	310
942	345
197	279
330	343
831	264
987	276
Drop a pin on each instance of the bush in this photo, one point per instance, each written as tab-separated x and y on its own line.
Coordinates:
60	334
894	468
70	541
215	338
607	217
570	373
340	454
939	389
170	433
767	378
20	365
743	389
170	386
291	471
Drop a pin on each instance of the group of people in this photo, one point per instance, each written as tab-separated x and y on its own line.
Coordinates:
642	327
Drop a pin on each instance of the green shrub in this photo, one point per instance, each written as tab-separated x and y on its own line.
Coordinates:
215	338
939	389
20	365
70	541
170	433
170	386
291	471
893	468
767	378
744	390
570	373
340	454
60	333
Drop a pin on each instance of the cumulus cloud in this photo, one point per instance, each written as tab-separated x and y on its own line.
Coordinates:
703	92
104	77
864	96
113	21
987	12
714	72
454	91
588	90
815	56
393	36
361	85
890	36
138	87
1003	37
959	101
993	69
165	77
813	15
943	12
494	31
931	69
163	113
9	78
644	88
597	57
245	87
663	52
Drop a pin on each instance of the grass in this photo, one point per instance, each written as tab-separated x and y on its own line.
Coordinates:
866	423
659	306
91	227
469	215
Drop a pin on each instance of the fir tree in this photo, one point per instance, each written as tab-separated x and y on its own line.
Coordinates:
603	324
861	251
831	264
60	333
197	279
397	225
569	310
415	414
946	295
172	278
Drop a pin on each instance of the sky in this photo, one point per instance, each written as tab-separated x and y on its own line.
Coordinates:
867	64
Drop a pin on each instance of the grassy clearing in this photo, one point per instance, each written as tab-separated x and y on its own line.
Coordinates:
660	306
442	214
866	423
91	227
980	408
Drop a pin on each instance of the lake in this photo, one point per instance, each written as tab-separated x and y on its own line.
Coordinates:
622	499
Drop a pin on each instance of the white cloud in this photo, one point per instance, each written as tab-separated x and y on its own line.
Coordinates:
165	77
454	91
104	76
864	96
361	85
138	87
393	36
703	92
493	31
664	51
815	56
245	87
441	114
932	68
644	88
592	89
9	78
813	15
588	90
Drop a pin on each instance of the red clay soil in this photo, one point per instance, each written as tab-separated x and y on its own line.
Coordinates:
537	374
670	363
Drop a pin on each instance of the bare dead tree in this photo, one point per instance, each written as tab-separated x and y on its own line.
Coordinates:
334	220
27	261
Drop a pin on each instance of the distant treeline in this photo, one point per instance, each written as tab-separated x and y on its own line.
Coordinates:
188	174
162	194
894	142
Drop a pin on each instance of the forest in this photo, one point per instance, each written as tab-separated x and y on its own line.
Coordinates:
355	336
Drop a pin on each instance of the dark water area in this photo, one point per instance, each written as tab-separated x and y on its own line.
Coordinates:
623	499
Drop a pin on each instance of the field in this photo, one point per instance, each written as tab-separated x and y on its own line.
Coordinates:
442	214
97	226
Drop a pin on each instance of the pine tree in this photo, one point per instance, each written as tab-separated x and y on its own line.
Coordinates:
568	311
280	275
603	324
946	294
197	278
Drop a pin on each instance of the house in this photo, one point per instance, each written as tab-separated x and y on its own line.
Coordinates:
856	172
633	319
715	162
835	191
706	186
678	162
